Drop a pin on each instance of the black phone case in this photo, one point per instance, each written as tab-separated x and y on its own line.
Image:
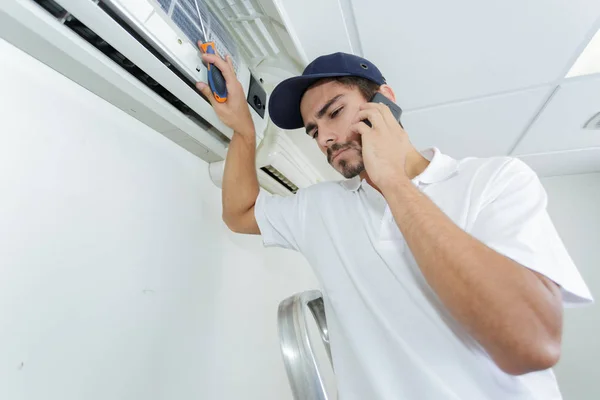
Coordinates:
395	108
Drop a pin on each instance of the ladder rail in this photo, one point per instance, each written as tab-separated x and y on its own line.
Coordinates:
296	345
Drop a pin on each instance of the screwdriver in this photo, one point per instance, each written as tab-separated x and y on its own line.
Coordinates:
216	81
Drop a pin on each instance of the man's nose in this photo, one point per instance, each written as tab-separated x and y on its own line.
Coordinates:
327	138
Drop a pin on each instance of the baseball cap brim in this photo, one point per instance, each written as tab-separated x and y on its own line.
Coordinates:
284	103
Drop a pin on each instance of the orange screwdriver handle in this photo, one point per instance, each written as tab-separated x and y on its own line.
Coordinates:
216	81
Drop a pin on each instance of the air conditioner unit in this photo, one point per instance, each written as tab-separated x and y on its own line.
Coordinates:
141	56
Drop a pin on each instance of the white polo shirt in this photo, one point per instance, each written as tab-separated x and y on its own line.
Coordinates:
391	337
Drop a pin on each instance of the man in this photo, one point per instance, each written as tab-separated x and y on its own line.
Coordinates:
442	279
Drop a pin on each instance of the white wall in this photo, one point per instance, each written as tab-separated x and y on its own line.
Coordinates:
118	279
574	207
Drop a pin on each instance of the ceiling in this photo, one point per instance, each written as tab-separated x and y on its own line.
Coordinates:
474	78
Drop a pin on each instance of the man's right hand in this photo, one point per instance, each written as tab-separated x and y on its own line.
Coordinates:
240	182
235	112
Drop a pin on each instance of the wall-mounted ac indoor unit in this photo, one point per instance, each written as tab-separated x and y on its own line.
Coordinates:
141	56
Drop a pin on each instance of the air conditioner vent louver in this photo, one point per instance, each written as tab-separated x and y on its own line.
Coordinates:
95	40
53	8
280	178
593	123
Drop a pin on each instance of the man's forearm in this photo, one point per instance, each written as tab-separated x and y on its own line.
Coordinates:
240	182
510	310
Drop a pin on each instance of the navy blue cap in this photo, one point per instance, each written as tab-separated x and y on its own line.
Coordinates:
284	104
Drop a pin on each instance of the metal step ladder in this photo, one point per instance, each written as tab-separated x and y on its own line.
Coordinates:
297	348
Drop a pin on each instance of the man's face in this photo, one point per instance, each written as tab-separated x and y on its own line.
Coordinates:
328	111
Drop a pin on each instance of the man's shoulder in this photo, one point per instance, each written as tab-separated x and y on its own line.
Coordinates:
490	177
490	168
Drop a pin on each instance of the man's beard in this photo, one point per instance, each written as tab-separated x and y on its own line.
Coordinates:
348	170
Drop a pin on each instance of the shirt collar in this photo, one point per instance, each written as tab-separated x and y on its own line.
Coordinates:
440	168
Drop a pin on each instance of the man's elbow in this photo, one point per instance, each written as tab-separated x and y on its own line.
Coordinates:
242	223
232	223
538	358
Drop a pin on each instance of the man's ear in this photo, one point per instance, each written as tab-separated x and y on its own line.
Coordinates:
388	92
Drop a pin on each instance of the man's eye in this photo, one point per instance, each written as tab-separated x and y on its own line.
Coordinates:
315	134
336	112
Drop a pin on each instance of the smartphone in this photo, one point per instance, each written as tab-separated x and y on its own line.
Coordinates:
395	108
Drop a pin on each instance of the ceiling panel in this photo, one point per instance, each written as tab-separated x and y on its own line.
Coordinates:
564	163
437	51
559	126
318	26
481	128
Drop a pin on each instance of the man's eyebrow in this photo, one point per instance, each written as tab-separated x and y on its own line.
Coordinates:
322	112
324	109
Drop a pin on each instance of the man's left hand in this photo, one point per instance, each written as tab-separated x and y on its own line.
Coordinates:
384	144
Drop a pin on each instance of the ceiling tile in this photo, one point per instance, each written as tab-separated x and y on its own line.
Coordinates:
564	163
481	128
436	51
318	25
559	126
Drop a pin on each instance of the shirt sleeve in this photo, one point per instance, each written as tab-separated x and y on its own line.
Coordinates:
281	219
514	221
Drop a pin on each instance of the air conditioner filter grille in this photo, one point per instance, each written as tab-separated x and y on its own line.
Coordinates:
185	15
